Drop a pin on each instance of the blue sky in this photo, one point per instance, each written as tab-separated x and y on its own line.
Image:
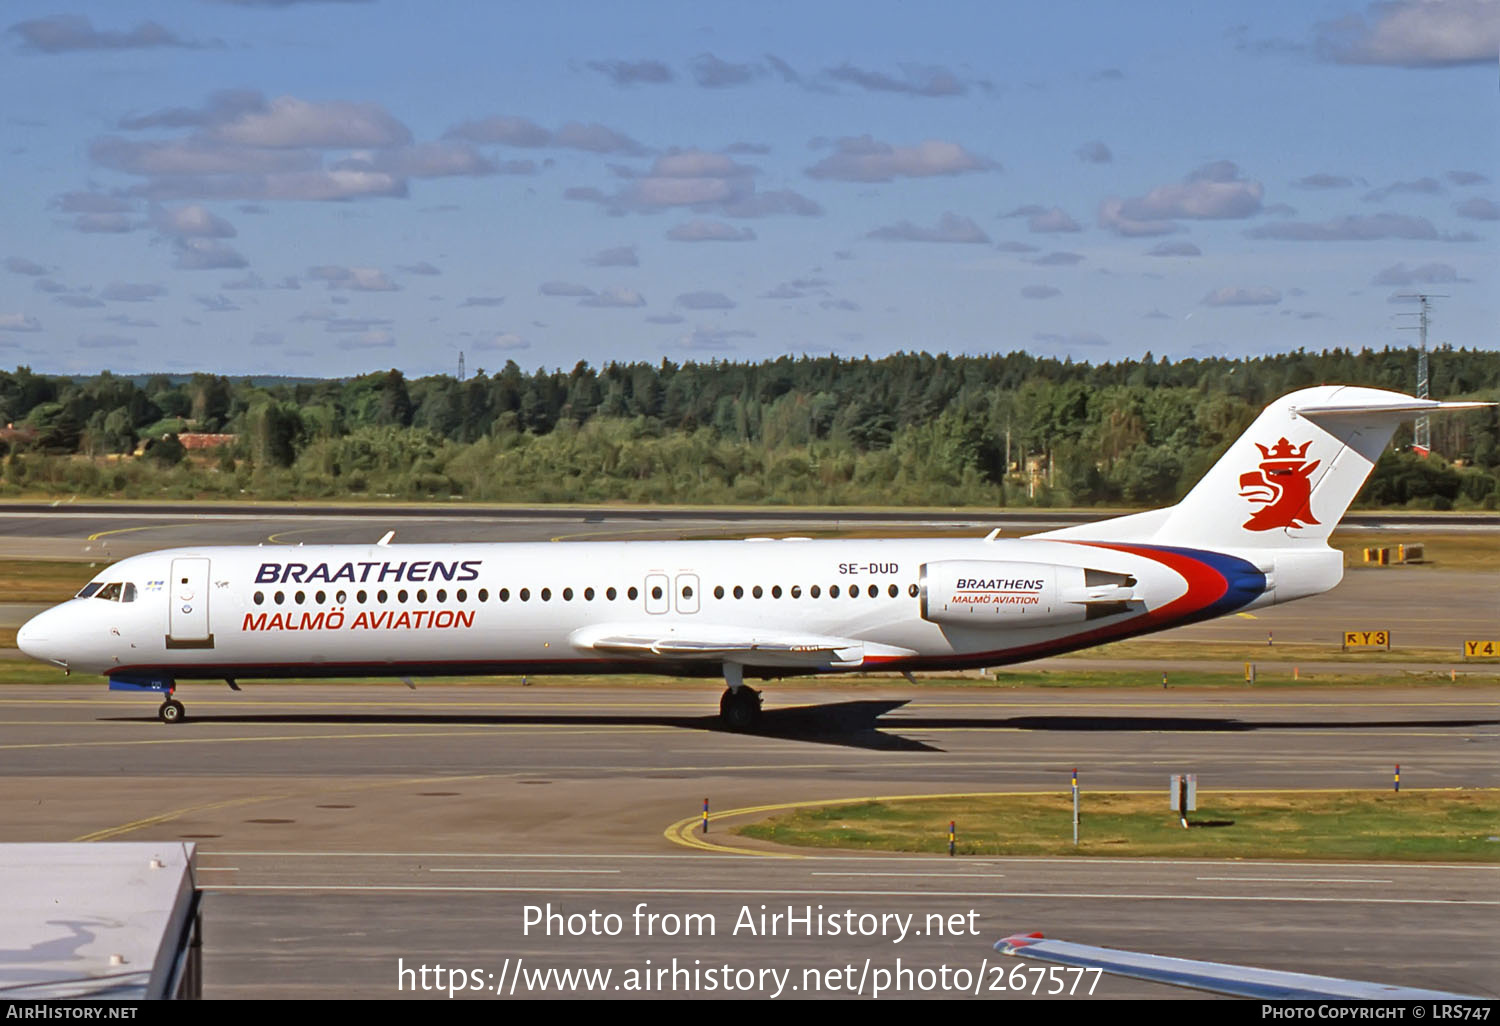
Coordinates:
327	187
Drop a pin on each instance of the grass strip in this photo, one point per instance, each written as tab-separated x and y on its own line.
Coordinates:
1413	825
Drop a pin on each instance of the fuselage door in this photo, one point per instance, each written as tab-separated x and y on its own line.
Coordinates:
687	593
187	613
657	598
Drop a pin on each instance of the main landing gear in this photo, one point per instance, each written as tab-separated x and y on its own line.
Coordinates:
739	709
171	711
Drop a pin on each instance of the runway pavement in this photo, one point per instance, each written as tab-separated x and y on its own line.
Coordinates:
344	827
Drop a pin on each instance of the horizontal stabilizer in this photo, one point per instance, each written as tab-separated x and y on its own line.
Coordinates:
1399	410
1215	977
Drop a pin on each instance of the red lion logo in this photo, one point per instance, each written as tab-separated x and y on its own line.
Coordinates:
1282	485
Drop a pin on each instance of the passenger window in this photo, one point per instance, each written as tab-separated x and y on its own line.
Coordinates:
280	597
894	591
463	595
321	597
341	597
687	591
776	591
567	594
634	593
912	590
739	592
610	594
546	594
756	591
380	596
588	594
301	597
503	594
401	596
796	591
421	594
833	591
815	591
360	597
718	591
874	590
260	598
442	594
525	594
656	592
484	594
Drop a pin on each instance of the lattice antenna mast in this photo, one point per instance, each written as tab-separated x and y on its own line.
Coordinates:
461	365
1421	439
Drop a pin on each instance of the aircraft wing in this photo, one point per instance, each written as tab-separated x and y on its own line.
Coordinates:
1217	977
747	646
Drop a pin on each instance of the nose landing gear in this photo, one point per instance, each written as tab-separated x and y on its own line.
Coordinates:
171	711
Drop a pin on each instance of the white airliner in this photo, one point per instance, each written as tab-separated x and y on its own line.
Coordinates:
1252	533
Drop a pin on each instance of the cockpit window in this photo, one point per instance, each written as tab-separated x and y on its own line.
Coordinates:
110	592
116	591
89	589
129	595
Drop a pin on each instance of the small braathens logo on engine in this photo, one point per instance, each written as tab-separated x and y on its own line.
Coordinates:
1281	487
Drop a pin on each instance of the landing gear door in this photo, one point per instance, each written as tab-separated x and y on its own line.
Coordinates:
187	613
658	597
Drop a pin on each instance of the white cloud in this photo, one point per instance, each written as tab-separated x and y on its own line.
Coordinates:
1354	228
916	80
1424	274
206	255
704	230
192	221
617	256
1094	153
1415	34
1054	220
705	301
615	297
951	227
503	342
1174	249
19	322
1214	191
21	265
564	288
1231	296
66	33
126	292
630	73
1058	258
1478	209
357	279
866	159
712	73
288	122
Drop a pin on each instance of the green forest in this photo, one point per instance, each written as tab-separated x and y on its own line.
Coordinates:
911	429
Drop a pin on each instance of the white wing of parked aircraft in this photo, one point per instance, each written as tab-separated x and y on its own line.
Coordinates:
1253	532
1215	977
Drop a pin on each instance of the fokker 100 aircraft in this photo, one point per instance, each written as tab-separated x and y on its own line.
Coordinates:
1253	532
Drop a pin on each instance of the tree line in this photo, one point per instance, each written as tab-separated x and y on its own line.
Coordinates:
907	429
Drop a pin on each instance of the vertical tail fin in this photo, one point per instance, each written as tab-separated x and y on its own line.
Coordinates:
1287	481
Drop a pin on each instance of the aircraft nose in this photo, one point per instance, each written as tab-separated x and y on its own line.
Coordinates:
36	634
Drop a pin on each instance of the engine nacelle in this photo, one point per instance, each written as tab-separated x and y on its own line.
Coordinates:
981	593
